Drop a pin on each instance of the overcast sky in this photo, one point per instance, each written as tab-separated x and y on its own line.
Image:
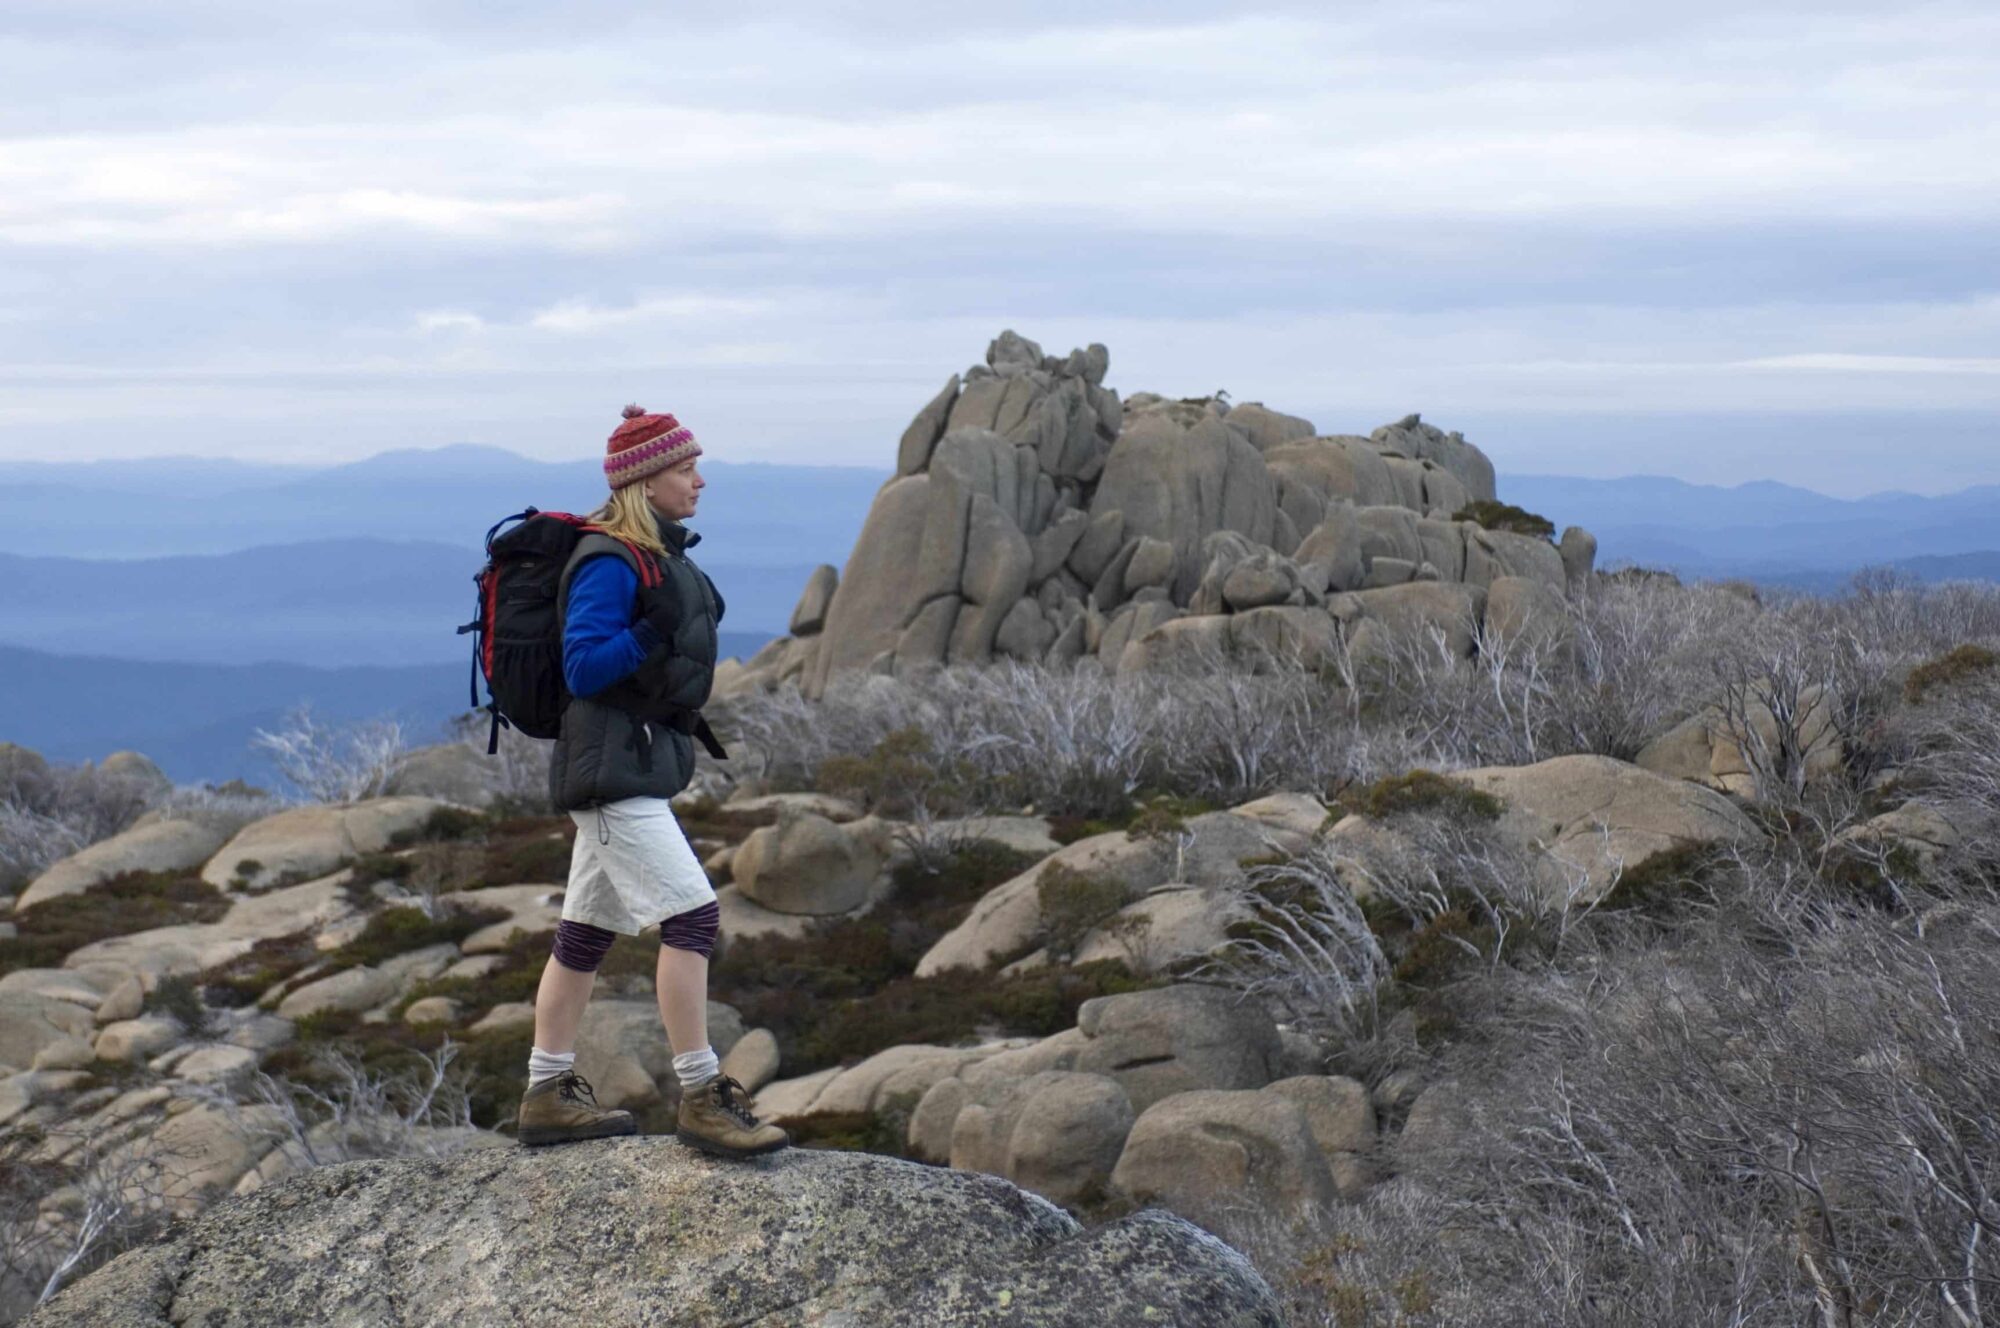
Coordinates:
1720	241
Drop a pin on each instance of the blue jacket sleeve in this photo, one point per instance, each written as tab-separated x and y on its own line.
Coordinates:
601	642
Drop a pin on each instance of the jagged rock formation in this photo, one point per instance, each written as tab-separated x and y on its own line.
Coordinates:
636	1231
1035	515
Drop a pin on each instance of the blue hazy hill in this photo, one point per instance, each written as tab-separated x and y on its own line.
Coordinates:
1762	529
326	602
752	514
196	720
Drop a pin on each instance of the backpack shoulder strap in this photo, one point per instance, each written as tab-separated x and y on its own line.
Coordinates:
593	544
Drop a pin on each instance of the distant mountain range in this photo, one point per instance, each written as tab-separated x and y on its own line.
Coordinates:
253	587
752	515
323	602
1767	531
786	517
196	720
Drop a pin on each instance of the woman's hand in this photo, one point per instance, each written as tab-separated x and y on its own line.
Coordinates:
660	606
717	594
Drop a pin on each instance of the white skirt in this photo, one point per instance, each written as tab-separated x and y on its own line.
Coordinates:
632	867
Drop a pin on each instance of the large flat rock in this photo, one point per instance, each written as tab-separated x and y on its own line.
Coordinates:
158	847
645	1231
308	841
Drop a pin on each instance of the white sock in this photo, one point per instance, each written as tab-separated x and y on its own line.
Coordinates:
696	1068
546	1065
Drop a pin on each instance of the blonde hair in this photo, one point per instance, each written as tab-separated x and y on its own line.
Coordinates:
628	516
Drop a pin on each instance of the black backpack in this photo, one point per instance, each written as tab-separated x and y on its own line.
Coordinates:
518	636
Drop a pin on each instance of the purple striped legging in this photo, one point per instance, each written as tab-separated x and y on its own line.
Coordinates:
582	947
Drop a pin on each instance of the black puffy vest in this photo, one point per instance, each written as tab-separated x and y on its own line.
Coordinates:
633	739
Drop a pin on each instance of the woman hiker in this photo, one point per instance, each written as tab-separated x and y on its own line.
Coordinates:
636	661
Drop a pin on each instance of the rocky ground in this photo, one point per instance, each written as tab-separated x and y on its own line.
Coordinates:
1007	995
1315	853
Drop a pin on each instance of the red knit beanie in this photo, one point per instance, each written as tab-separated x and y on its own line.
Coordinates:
644	444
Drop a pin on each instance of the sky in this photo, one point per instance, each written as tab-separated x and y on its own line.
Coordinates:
1718	241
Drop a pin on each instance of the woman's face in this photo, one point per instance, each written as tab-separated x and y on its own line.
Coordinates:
676	491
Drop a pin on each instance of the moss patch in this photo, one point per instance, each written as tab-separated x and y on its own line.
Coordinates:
445	823
816	1031
515	979
400	930
248	976
1419	791
134	902
1153	814
1661	884
845	988
528	850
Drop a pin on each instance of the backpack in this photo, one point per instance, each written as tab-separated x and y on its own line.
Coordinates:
518	638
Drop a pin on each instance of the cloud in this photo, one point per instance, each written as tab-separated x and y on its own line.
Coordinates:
468	221
1882	364
582	317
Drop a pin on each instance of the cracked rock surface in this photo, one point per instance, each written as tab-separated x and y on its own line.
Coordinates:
644	1231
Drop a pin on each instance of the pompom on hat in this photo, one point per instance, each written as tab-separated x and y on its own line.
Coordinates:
645	444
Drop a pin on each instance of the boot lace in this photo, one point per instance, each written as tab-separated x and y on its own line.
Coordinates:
732	1097
573	1087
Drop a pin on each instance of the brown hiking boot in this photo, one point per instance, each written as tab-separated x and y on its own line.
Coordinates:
716	1118
561	1109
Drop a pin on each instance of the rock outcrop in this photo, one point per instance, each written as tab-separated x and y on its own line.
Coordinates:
310	841
1034	515
1594	818
150	846
643	1231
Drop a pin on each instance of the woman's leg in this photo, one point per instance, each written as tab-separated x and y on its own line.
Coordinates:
681	982
681	978
714	1114
558	1106
559	1006
567	978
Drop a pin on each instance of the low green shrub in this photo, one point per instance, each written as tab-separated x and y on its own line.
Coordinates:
1072	902
952	1007
1492	515
178	996
1954	666
515	979
1662	884
901	772
884	1130
1419	791
1883	882
712	820
1151	814
845	957
399	930
846	989
528	850
267	963
133	902
1065	828
444	823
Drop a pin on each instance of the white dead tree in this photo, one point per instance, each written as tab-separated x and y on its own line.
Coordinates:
329	763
